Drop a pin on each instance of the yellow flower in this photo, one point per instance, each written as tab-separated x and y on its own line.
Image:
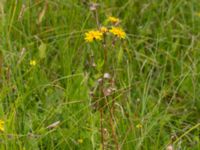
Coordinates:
93	35
119	32
80	141
32	62
2	125
103	29
113	20
139	126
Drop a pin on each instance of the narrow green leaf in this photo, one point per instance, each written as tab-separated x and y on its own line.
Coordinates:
120	55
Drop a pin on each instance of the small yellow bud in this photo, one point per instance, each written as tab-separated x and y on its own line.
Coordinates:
32	62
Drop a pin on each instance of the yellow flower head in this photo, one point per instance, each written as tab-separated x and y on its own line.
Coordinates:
119	32
113	20
32	62
93	35
2	125
103	29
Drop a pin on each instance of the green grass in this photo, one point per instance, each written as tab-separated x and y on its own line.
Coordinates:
157	75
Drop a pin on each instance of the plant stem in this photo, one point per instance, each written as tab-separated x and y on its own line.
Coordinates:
114	135
101	123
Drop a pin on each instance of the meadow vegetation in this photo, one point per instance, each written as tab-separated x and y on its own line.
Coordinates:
104	74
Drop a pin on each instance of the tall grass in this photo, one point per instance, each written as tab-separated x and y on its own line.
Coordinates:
157	102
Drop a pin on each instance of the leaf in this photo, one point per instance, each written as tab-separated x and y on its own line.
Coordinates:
42	50
120	55
100	64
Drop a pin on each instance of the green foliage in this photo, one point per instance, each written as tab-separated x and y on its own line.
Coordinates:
156	71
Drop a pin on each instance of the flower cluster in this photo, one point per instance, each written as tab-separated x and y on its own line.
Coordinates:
97	35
